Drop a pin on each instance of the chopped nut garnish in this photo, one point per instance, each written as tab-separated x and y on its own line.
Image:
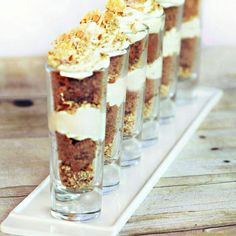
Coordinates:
116	6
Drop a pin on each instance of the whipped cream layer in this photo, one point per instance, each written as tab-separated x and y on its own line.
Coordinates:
171	43
191	29
155	24
136	79
116	92
130	24
154	70
83	71
171	3
86	122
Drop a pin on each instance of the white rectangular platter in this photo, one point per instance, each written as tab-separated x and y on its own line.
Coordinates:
32	216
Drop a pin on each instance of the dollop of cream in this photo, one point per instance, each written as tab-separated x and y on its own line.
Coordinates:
154	70
116	92
191	29
136	79
171	43
83	124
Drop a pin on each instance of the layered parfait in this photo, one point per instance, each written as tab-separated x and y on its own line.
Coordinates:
171	49
77	95
137	34
114	43
190	40
152	15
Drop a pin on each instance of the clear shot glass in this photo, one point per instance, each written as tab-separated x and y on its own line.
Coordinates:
171	49
135	89
116	94
190	51
76	117
153	79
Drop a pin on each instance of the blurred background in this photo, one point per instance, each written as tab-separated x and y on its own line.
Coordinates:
28	26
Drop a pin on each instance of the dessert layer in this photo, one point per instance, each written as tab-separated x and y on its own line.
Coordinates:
136	79
150	90
137	54
191	28
117	67
154	70
155	25
76	161
191	9
171	20
83	123
168	70
67	90
116	92
188	54
111	123
131	102
154	49
171	43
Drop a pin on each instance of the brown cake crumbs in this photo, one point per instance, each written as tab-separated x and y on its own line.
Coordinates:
111	122
168	69
191	9
131	102
117	64
171	17
89	90
188	52
75	180
129	124
153	48
148	108
76	160
136	53
150	90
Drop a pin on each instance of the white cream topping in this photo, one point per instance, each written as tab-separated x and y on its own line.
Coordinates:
171	43
130	24
136	79
155	24
171	3
116	92
191	29
154	70
82	71
84	123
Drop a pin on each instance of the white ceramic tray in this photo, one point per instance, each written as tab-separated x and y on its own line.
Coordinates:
32	217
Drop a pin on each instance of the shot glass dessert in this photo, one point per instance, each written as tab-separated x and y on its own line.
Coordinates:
116	45
190	51
171	49
153	16
77	115
137	34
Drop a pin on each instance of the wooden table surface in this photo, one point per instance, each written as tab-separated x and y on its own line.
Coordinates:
196	196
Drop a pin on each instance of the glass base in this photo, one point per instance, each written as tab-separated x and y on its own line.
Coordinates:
131	152
186	90
167	110
149	134
72	206
111	176
76	217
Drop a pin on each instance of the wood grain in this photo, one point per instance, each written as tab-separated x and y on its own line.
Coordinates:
197	195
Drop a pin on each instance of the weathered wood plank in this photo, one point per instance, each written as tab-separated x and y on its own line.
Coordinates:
18	122
184	208
22	77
